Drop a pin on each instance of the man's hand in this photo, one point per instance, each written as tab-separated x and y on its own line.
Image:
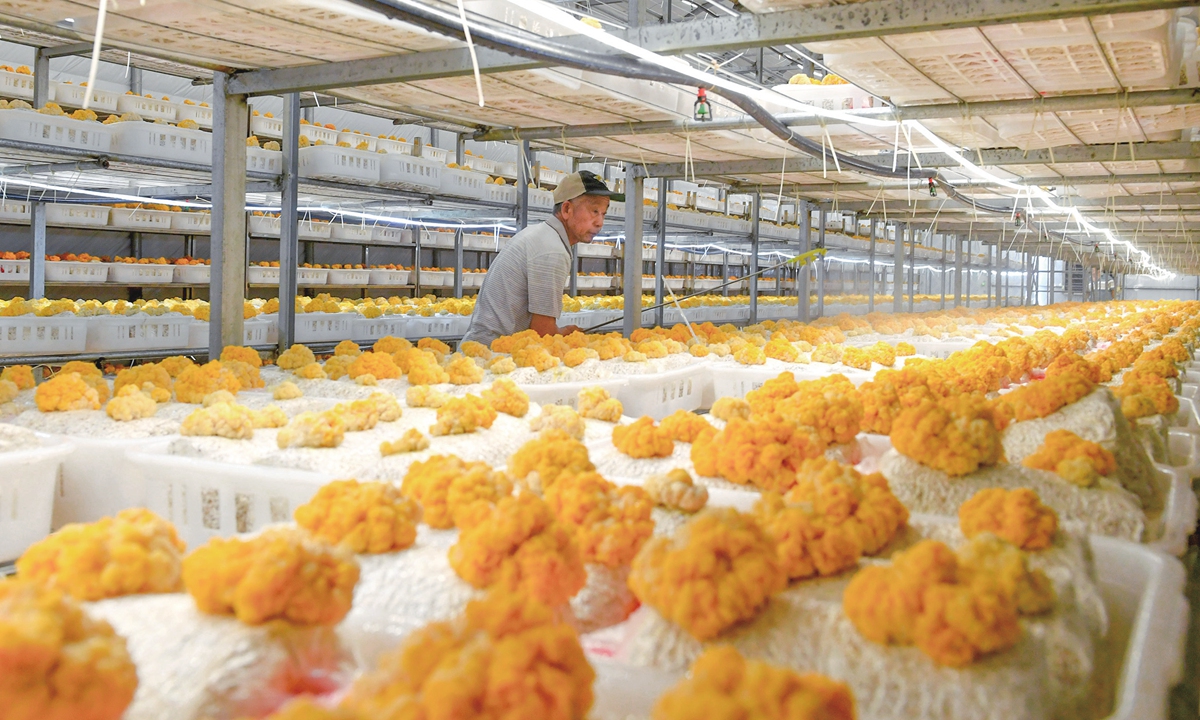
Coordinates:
569	329
546	325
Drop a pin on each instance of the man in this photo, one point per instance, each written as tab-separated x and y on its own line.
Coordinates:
523	287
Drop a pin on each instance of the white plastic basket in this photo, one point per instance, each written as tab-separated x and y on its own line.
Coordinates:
267	161
349	277
269	127
255	331
193	274
63	271
32	335
375	328
28	479
324	327
57	130
205	499
148	108
330	162
388	278
17	85
14	211
307	277
14	270
417	327
405	172
164	142
479	241
139	274
64	215
437	239
191	223
506	194
392	147
315	133
350	232
391	235
479	164
436	154
660	394
567	394
140	219
436	278
356	138
313	230
541	199
595	250
259	275
202	116
473	280
71	95
125	333
263	225
1179	515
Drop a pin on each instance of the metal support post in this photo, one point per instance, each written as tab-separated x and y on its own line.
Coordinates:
135	80
804	220
227	283
871	266
1050	287
725	273
942	284
755	201
631	259
821	264
958	270
573	280
41	77
289	242
458	262
524	165
37	251
135	245
660	251
898	268
912	266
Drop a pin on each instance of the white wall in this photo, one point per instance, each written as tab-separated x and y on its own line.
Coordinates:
1144	287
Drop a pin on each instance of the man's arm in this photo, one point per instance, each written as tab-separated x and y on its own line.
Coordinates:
546	325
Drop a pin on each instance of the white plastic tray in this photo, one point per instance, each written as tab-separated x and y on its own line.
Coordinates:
57	130
14	211
324	327
330	162
417	327
306	277
202	116
98	480
375	328
189	223
27	482
64	215
148	108
410	173
380	276
18	85
64	271
206	499
138	274
352	232
568	393
266	127
437	278
165	142
72	95
263	225
124	333
32	335
660	394
349	277
141	219
258	275
14	270
267	161
391	234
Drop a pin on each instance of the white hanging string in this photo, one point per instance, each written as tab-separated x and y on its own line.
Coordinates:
96	43
462	15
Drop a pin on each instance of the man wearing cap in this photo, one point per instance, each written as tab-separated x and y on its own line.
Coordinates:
524	285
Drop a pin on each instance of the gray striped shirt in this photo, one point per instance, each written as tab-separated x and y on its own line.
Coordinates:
527	278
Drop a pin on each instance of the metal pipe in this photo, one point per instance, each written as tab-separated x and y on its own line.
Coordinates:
289	241
37	250
631	259
898	268
958	270
912	266
524	165
804	220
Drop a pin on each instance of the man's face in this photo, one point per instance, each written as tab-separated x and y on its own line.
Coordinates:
583	217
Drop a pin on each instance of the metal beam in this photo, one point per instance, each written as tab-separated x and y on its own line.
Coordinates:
1041	181
65	50
943	205
868	19
1067	154
289	230
50	168
1067	103
631	258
